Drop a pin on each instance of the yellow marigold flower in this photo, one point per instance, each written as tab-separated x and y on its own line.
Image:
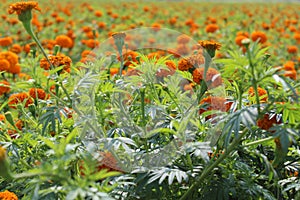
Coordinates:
21	7
7	195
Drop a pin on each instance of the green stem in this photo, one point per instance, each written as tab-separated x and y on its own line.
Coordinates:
173	99
28	28
211	167
143	106
261	141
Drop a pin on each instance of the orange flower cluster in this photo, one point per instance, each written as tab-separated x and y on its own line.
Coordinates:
7	195
21	7
211	28
56	61
213	78
292	49
267	121
262	93
64	41
38	93
4	87
214	103
259	36
6	41
290	70
184	65
240	36
9	62
17	98
167	72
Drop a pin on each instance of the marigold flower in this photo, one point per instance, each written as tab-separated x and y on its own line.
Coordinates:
183	39
214	103
292	49
19	98
16	48
289	65
64	41
11	57
210	46
167	72
4	87
6	41
267	121
156	26
98	13
56	61
239	38
129	58
262	93
213	78
211	28
258	35
108	162
4	65
16	69
291	74
182	49
37	93
6	195
91	43
196	59
184	65
21	7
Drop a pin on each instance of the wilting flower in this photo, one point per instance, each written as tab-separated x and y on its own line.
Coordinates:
210	47
259	36
212	79
262	93
7	195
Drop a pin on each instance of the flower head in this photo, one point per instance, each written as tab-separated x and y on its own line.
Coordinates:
4	87
262	93
210	46
21	7
6	195
213	78
260	36
64	41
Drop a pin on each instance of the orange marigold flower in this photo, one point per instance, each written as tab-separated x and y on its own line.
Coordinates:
267	121
167	72
289	65
210	45
98	13
2	117
56	61
214	103
19	98
4	65
11	57
7	195
196	59
239	38
297	37
262	93
258	35
184	65
91	43
129	58
292	49
291	73
109	162
16	69
183	39
211	28
4	87
16	48
246	34
156	26
21	7
6	41
37	93
64	41
213	78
